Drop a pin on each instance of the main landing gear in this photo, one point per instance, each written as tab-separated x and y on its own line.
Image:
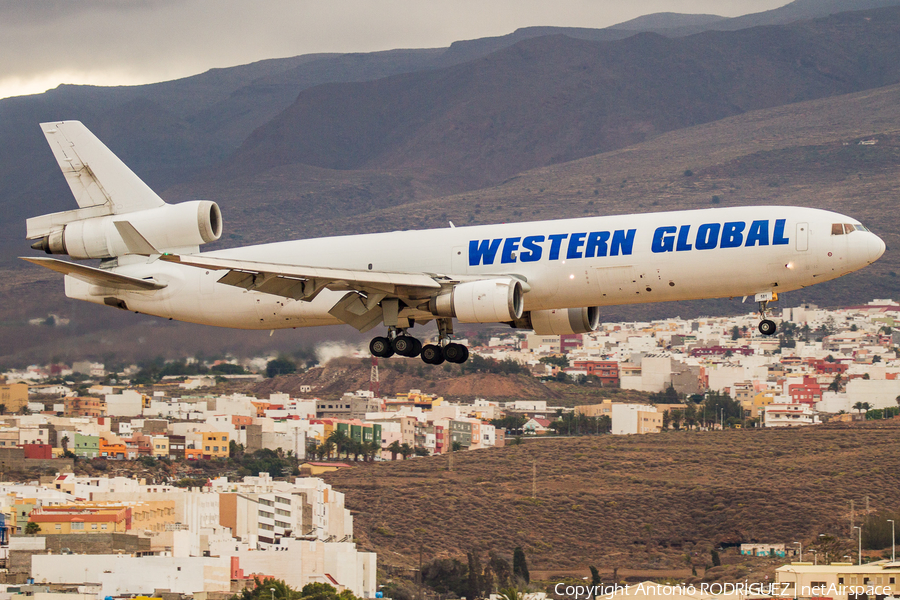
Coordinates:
399	342
766	326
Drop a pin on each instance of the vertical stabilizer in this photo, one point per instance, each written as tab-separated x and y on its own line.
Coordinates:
95	175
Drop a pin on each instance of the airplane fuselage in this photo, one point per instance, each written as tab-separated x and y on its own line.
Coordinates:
567	263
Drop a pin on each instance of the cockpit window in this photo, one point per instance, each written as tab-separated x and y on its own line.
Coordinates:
842	228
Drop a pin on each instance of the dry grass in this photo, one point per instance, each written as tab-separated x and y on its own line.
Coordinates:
633	502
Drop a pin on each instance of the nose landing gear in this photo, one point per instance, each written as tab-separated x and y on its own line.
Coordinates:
766	325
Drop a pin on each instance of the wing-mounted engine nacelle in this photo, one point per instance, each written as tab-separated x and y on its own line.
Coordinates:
486	301
167	227
560	321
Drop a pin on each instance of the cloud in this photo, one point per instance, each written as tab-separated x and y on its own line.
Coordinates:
140	41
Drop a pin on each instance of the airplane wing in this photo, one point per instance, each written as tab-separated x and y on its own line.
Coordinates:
95	276
304	283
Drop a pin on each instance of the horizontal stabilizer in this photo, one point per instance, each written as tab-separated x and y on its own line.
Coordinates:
95	276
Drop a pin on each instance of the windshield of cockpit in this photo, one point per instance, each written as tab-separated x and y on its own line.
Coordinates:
844	228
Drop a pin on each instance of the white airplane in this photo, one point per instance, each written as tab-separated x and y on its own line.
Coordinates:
549	276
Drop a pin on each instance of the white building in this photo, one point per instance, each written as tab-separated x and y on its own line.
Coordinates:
788	414
127	404
630	419
121	574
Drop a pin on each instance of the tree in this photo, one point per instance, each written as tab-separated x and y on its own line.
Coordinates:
280	366
836	384
406	451
830	548
372	449
327	448
340	440
32	528
501	569
666	420
474	580
520	565
596	580
445	575
64	442
714	555
676	416
395	449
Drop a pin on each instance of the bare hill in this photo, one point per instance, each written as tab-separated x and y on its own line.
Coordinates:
634	502
553	99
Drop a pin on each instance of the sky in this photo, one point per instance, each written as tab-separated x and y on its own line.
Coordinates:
44	43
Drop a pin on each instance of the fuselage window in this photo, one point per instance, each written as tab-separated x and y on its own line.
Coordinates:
837	229
848	228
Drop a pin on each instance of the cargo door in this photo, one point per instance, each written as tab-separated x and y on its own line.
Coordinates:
618	282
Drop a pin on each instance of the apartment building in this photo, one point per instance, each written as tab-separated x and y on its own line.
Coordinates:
790	414
215	444
629	419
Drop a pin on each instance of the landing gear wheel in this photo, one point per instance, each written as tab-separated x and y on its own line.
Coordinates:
381	347
456	353
432	355
767	327
408	346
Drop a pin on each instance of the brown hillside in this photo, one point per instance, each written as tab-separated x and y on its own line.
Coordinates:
399	375
553	99
633	502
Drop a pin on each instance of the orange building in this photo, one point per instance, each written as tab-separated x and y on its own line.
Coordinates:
85	406
193	453
82	519
215	444
108	450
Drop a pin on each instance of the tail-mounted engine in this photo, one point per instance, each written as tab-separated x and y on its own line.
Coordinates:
167	227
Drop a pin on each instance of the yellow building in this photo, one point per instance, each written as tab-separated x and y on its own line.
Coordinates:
215	444
152	515
13	396
159	446
760	402
75	518
595	410
105	517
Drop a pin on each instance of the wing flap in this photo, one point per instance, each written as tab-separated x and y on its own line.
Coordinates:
303	283
95	276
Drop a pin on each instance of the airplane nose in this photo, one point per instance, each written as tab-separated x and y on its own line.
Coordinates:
876	248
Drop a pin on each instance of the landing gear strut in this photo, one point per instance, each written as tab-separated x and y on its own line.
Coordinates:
399	342
766	326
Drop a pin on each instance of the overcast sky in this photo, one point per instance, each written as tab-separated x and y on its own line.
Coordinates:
119	42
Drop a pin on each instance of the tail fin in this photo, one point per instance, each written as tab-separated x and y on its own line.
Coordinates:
101	183
94	174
